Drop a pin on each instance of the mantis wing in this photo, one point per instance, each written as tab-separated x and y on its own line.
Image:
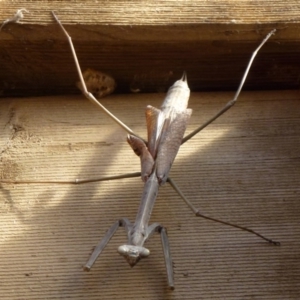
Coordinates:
170	141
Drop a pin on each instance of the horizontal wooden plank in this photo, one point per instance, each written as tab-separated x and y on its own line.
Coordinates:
149	44
244	168
154	13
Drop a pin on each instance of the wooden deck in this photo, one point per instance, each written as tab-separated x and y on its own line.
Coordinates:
244	168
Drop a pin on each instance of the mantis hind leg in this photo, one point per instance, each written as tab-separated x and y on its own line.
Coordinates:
233	101
86	93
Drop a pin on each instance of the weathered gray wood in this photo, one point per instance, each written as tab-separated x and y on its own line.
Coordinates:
244	168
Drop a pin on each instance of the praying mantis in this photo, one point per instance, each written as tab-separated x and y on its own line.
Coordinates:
166	128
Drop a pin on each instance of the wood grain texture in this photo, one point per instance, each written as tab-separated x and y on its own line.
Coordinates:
165	12
244	168
147	45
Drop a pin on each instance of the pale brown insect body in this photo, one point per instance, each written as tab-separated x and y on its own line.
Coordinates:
165	127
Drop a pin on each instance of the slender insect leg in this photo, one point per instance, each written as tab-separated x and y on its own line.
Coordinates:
86	93
100	247
156	227
233	101
76	181
199	214
168	258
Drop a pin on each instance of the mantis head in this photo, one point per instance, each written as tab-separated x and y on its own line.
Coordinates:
133	254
